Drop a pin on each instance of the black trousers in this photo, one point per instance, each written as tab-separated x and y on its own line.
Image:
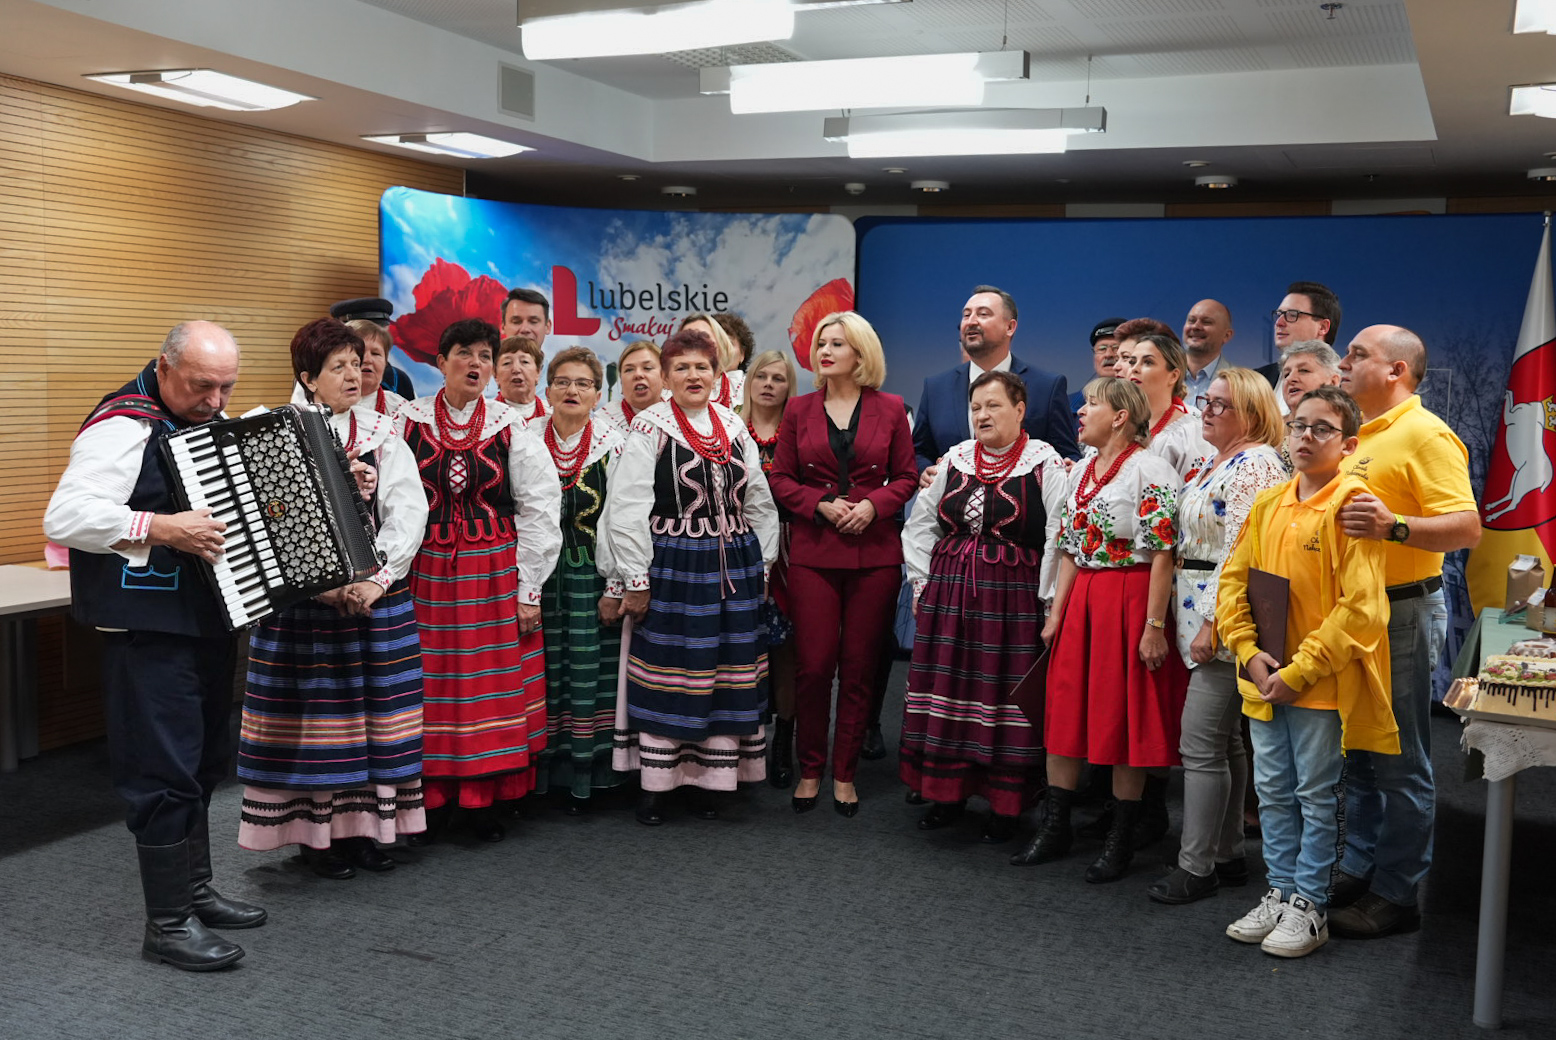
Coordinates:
169	703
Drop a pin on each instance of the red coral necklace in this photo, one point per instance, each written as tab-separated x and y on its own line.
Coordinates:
467	436
1176	409
715	446
569	464
770	441
351	433
381	405
1083	497
993	469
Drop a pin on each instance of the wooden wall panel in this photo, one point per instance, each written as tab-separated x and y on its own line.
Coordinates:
117	221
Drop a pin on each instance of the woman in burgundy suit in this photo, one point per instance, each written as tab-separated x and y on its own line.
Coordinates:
844	468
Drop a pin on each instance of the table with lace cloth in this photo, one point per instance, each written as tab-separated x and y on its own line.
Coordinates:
1498	751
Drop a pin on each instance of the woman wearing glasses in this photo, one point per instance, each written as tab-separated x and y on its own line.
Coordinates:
581	653
1241	422
1150	356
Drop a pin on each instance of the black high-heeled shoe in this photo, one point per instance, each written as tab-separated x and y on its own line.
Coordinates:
804	805
848	809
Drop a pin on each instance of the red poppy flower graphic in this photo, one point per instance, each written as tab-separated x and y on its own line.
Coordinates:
1082	521
445	294
1092	541
1119	549
1164	530
836	295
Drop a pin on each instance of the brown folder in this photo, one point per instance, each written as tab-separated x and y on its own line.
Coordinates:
1269	597
1031	693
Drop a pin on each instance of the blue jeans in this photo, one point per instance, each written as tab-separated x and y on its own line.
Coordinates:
1391	800
1300	776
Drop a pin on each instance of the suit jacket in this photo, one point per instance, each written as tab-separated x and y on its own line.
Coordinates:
806	470
942	412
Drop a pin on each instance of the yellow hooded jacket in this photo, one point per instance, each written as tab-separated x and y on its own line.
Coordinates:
1351	644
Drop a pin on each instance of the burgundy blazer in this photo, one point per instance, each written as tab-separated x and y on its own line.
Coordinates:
883	469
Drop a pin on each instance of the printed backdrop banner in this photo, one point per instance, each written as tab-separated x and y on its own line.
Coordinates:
613	276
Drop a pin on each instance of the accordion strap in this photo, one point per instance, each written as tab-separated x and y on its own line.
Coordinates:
135	406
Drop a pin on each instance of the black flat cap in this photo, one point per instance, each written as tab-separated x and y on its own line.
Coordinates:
1102	330
368	308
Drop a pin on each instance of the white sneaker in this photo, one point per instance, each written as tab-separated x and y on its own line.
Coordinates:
1302	929
1259	922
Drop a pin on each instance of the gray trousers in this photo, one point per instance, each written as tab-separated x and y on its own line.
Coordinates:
1215	770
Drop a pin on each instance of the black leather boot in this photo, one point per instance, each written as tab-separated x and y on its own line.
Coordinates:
780	770
1118	850
1098	828
1153	824
1053	837
651	808
174	933
214	910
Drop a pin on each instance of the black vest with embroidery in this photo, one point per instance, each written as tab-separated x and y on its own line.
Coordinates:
1005	517
468	496
689	500
169	594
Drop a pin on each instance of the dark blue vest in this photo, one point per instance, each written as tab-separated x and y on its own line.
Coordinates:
169	594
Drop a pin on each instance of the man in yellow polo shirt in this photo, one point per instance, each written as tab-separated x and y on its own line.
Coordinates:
1422	506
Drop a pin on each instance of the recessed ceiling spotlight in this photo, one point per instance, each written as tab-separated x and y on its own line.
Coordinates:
1195	164
904	169
628	177
680	191
931	186
1216	180
1544	173
854	188
1550	155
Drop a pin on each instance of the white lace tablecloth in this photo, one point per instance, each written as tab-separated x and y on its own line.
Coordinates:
1510	748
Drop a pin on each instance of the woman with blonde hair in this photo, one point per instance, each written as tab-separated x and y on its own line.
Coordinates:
1115	693
729	392
642	384
844	468
769	385
1242	423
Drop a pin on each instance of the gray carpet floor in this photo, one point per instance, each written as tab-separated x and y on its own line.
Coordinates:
761	924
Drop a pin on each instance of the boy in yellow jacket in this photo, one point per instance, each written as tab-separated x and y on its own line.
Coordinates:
1331	696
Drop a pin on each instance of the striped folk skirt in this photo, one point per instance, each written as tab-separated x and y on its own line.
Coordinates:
331	740
485	684
581	663
694	686
979	631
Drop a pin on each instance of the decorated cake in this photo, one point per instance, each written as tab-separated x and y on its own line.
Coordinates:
1511	684
1534	648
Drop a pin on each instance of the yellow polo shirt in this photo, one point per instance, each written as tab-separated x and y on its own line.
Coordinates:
1293	548
1418	467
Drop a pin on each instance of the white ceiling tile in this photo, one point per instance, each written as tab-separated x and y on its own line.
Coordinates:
1198	31
1308	21
1097	9
1201	63
1365	50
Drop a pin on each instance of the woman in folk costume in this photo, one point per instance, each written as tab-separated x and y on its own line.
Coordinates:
375	362
578	607
642	384
330	749
979	548
730	391
492	540
690	528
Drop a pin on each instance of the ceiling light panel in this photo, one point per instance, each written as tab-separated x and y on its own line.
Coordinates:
1533	99
654	30
205	88
1014	131
1535	16
908	81
459	145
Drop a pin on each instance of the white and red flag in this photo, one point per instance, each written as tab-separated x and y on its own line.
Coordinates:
1518	510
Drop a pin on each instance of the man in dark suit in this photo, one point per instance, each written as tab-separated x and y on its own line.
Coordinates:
988	323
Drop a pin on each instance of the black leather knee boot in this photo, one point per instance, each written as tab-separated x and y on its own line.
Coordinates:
174	933
780	771
215	910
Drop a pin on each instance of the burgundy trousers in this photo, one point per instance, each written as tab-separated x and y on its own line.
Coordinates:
841	621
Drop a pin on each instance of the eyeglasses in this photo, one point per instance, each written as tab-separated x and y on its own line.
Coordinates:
582	384
1291	314
1320	431
1105	348
1212	405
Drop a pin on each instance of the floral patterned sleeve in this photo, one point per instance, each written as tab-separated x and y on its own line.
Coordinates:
1244	480
1157	515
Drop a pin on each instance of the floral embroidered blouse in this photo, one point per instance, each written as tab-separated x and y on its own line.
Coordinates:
1211	511
1132	516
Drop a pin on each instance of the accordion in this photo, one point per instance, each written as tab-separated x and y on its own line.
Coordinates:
296	524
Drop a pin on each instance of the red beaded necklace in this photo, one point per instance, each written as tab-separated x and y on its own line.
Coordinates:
1082	496
351	433
1177	408
540	407
469	435
569	464
993	469
627	411
726	390
769	442
381	406
715	446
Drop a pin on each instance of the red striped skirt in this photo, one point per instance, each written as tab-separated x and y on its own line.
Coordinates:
1103	705
484	710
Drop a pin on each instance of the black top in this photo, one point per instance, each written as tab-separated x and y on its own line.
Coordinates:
842	442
